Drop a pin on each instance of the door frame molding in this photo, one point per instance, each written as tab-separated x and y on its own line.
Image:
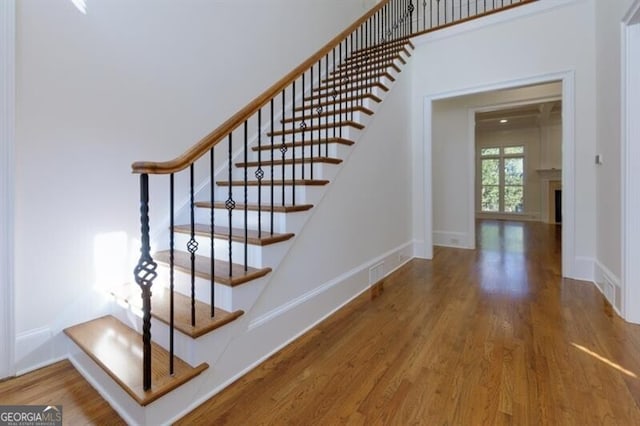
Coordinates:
630	152
571	266
7	179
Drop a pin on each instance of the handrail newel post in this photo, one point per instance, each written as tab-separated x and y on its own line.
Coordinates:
145	273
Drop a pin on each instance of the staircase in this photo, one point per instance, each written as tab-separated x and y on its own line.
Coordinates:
250	187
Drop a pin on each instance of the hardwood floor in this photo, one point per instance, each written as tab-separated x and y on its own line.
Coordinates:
491	336
60	384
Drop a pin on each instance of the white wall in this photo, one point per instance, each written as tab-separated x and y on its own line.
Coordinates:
609	16
130	80
551	41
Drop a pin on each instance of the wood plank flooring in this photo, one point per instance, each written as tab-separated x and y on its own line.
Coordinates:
60	384
491	336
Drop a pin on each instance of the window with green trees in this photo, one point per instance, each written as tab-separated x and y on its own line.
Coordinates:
502	179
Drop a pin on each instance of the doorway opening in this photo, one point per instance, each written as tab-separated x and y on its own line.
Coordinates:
533	169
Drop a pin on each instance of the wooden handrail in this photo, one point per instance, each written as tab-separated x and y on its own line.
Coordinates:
209	141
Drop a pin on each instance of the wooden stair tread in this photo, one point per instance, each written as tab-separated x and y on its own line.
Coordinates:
237	234
337	111
322	126
298	144
380	52
328	90
276	182
381	63
343	101
375	58
361	75
405	42
279	162
327	98
117	349
375	66
264	208
182	262
160	309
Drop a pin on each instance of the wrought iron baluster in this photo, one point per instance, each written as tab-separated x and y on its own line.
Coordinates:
283	147
246	198
335	94
303	125
192	245
145	273
259	173
230	204
326	116
171	267
341	91
322	102
293	151
312	120
272	164
213	227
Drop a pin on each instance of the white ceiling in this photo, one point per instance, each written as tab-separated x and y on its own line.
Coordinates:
530	115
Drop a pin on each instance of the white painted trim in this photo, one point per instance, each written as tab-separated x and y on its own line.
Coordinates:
294	303
569	260
630	152
428	178
448	239
7	170
571	266
602	275
471	182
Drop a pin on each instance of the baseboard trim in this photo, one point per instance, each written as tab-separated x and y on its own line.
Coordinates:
451	239
610	285
395	257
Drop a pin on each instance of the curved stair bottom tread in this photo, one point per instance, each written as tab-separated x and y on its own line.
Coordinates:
117	349
160	308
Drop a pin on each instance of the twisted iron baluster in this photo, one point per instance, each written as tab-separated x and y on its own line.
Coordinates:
145	273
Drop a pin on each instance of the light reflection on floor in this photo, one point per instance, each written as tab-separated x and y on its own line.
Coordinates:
503	257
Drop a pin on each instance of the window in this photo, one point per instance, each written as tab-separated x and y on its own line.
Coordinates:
502	179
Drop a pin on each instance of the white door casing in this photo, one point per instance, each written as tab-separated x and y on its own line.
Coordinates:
7	132
630	95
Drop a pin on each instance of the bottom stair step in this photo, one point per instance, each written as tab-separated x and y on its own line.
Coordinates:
160	307
117	349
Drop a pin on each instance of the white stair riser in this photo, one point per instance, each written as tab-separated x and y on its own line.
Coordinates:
362	79
346	132
365	102
226	297
258	256
331	149
303	194
320	171
375	90
282	222
311	117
